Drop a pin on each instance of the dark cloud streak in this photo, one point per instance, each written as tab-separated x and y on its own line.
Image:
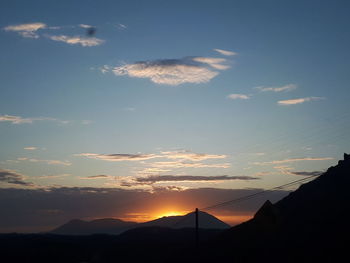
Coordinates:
313	173
11	177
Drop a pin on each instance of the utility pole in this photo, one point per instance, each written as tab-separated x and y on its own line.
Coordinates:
197	234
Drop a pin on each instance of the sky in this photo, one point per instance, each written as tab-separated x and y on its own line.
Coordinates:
138	109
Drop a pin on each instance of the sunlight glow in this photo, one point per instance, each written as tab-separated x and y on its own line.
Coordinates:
166	213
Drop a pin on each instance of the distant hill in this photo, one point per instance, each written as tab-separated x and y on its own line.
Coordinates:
206	221
117	226
98	226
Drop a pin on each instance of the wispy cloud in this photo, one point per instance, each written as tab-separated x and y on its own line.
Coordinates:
185	155
12	177
26	30
85	26
172	155
105	69
30	31
238	96
217	63
298	101
16	119
292	160
121	26
51	162
284	88
312	173
191	178
117	157
225	52
174	71
154	179
52	176
181	164
78	40
288	171
31	148
94	177
152	171
20	120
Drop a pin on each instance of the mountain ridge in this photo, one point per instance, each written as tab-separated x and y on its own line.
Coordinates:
316	211
118	226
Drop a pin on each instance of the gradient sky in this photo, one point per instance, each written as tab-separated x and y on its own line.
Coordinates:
171	95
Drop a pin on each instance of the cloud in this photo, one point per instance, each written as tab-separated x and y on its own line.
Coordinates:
225	52
31	148
217	63
174	71
298	101
287	87
189	178
238	96
288	170
117	157
11	177
180	164
51	162
172	155
185	155
105	69
152	170
292	160
313	173
30	31
52	176
26	30
20	120
85	26
99	176
283	168
121	26
263	173
78	40
15	119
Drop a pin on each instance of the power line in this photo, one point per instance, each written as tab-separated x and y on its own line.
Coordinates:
258	193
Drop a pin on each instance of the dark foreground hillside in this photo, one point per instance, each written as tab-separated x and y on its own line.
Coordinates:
149	244
309	225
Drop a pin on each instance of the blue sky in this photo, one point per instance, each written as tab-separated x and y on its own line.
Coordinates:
256	91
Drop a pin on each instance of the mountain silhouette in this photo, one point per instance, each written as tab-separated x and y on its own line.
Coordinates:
98	226
310	223
206	221
117	226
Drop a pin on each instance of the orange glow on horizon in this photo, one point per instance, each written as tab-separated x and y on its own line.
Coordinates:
234	219
149	216
170	213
